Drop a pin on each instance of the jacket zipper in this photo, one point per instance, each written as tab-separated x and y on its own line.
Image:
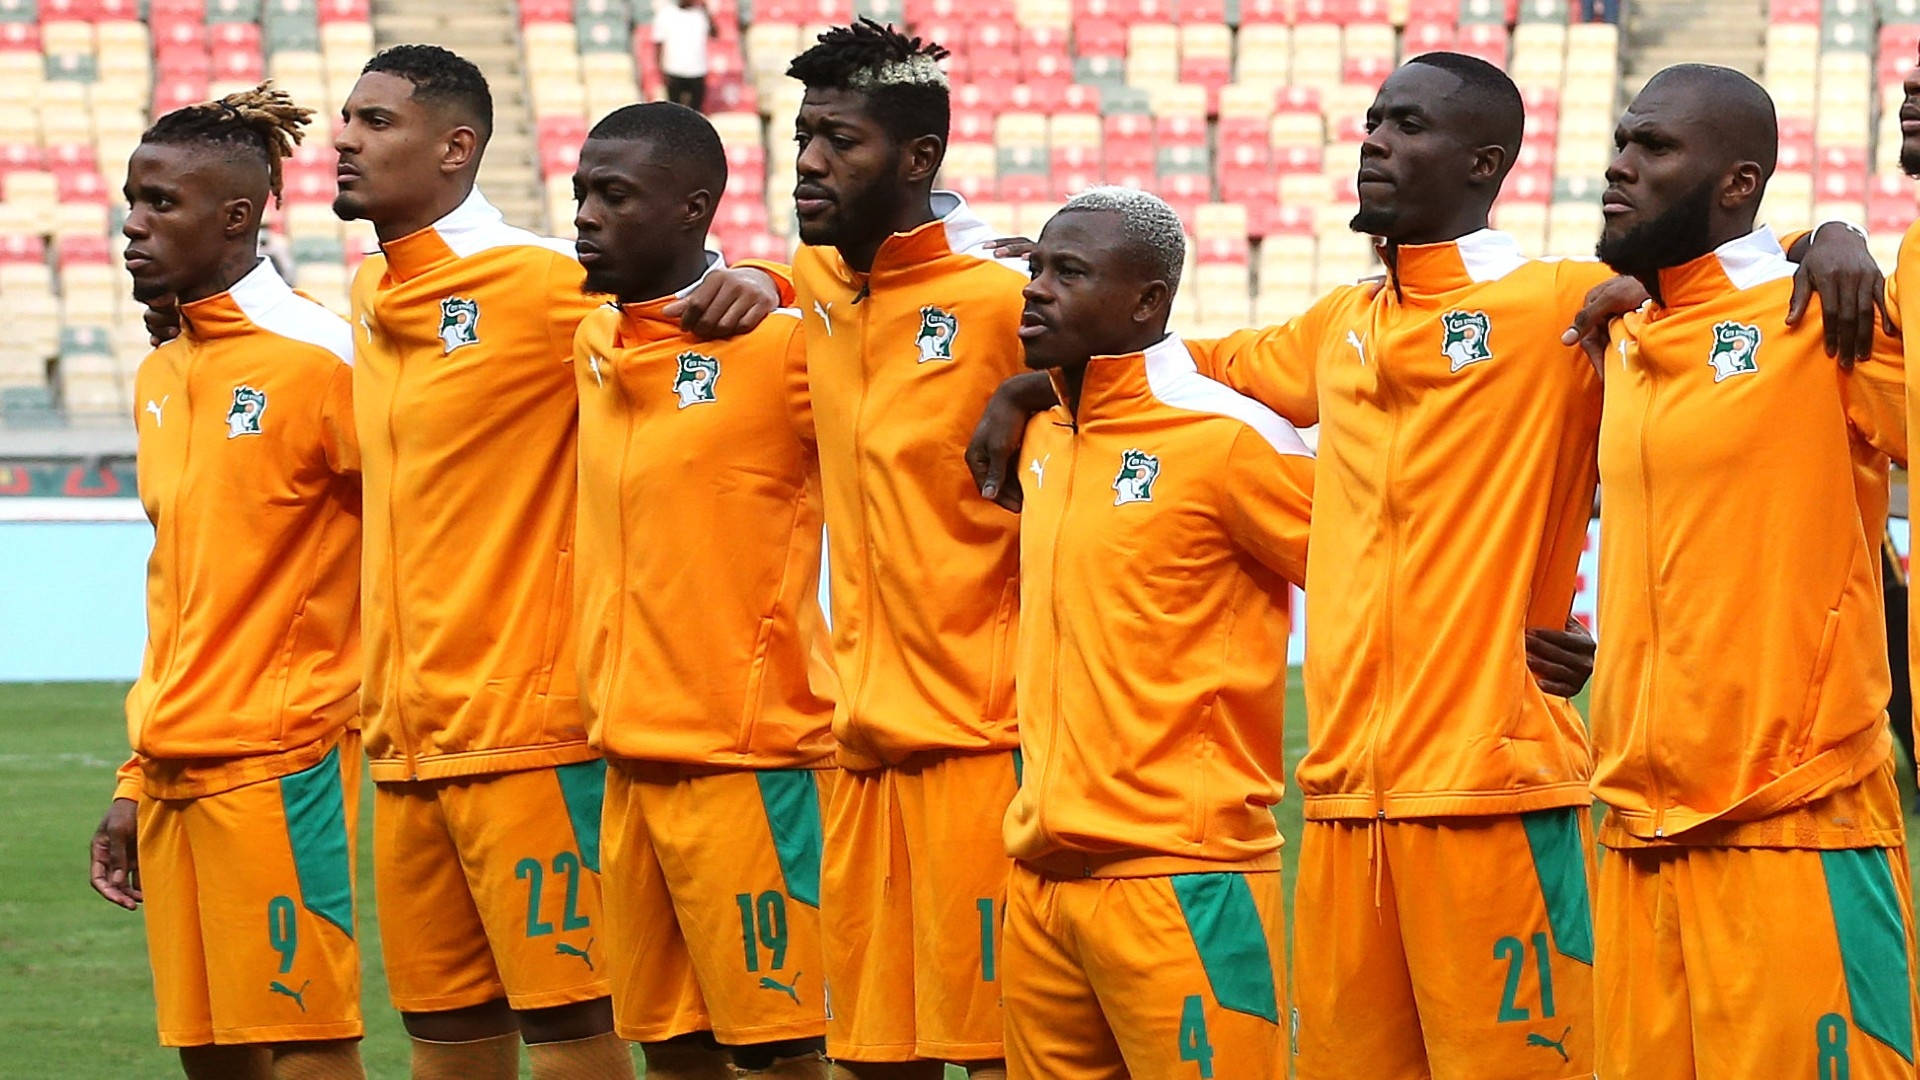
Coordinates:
397	678
854	713
173	526
1649	684
1383	705
1041	781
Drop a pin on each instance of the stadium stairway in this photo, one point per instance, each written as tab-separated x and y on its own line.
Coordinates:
1660	33
488	33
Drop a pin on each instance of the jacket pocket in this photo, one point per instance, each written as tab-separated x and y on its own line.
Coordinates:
756	684
1816	684
1006	618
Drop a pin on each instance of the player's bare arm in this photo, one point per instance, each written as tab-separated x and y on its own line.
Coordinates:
115	855
996	438
727	303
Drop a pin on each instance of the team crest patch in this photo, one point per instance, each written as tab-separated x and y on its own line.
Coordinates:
1138	471
938	328
695	379
1465	337
459	323
1736	350
243	416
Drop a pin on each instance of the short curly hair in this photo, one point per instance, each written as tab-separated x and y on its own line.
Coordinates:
900	76
1157	239
440	77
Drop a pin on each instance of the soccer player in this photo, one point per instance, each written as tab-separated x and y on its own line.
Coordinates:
1753	913
246	768
1445	852
704	674
487	810
909	324
1165	517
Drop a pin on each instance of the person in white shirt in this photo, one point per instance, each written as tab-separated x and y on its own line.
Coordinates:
680	33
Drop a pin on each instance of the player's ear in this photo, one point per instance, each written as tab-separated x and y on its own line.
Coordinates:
237	216
1153	299
463	145
1487	162
1743	184
698	208
920	158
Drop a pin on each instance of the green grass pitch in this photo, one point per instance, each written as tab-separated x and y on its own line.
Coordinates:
75	996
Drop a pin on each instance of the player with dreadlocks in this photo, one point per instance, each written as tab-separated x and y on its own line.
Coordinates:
234	820
910	324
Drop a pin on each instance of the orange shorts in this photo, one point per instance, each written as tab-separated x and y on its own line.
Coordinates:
489	887
1166	977
914	882
1730	963
249	905
712	897
1457	949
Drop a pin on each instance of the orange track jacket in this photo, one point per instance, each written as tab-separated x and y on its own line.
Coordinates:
1163	523
467	417
1742	673
249	471
701	637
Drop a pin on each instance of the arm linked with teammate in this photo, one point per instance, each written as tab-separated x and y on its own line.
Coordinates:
995	445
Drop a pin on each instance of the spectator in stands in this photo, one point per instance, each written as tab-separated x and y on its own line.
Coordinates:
680	34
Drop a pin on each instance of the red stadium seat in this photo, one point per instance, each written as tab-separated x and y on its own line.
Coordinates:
239	36
1795	156
344	11
1840	185
1212	72
1180	130
1794	11
1120	11
1530	185
178	9
308	187
1297	99
1124	127
1266	217
1890	203
1539	99
1200	11
1072	182
1367	70
1843	159
71	156
172	92
80	185
1221	249
533	11
997	37
15	248
1076	98
1101	37
184	63
1485	40
1026	187
1536	152
1265	11
1323	11
1242	129
63	10
84	249
1299	158
973	125
1425	37
1185	187
1002	70
1046	96
1253	188
1441	12
20	37
178	33
1038	41
234	66
22	157
1075	159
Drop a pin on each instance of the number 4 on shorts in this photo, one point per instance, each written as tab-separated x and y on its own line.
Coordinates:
1194	1046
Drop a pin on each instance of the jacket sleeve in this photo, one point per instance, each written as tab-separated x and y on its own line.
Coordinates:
128	781
1269	499
799	398
1273	365
338	436
1875	393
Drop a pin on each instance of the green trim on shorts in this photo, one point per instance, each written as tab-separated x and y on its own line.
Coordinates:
1232	942
1559	862
792	800
583	785
315	804
1872	927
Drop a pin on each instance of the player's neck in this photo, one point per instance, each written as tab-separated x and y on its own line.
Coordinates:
1466	223
686	269
238	262
915	212
444	202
